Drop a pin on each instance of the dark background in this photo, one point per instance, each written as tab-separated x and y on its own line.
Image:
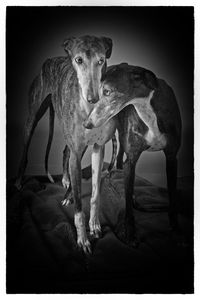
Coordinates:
156	38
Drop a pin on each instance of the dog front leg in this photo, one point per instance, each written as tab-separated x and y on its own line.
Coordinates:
129	180
171	170
79	217
97	163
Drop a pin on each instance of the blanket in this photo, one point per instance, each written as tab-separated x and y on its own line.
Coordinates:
43	257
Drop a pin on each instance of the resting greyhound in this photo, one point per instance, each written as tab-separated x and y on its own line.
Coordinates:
151	123
70	86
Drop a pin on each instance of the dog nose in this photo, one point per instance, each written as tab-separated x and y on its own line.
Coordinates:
88	124
91	99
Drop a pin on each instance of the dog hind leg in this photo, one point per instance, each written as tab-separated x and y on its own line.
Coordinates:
68	198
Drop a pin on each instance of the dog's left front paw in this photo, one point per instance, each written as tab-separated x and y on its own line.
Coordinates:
65	182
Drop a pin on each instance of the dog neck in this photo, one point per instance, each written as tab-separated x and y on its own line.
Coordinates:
85	106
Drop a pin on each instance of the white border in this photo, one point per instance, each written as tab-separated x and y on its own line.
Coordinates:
101	2
3	5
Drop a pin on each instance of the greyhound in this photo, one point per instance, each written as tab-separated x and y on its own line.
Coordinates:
70	87
148	119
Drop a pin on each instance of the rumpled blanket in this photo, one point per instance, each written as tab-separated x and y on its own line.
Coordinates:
42	255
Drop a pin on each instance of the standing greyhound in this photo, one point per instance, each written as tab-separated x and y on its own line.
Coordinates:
151	123
70	86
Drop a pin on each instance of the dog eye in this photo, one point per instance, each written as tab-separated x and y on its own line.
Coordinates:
137	77
106	92
101	61
79	60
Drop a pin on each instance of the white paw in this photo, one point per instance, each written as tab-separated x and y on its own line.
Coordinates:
65	182
84	244
82	240
95	228
66	202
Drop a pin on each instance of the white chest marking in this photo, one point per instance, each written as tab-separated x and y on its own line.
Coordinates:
155	139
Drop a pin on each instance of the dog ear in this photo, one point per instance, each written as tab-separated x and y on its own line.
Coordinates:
108	46
103	71
150	80
68	44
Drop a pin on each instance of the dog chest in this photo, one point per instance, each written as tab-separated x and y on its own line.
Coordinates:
154	138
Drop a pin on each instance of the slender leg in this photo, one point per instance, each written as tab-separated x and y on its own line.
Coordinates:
171	170
68	198
79	217
97	164
120	157
129	180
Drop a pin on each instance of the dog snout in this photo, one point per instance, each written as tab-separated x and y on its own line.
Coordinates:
92	99
88	124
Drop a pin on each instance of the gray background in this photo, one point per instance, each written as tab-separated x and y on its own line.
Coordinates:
156	38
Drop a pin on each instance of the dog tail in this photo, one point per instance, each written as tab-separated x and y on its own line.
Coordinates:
51	130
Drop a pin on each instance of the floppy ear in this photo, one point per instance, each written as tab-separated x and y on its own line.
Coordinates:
108	46
103	71
150	80
68	44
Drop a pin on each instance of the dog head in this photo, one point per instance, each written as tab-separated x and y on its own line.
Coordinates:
122	84
88	55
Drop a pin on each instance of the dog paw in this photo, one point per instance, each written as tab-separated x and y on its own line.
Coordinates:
95	229
67	200
65	182
85	245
